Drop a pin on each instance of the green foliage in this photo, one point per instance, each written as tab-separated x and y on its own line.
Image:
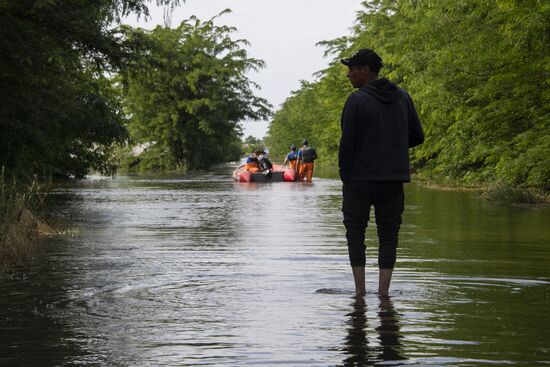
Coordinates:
188	92
312	112
479	72
252	144
59	114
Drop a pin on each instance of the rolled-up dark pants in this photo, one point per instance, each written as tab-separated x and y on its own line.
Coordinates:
388	200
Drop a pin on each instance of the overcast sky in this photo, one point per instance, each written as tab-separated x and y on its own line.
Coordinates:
283	33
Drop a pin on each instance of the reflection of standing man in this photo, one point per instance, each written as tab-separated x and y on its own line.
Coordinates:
379	124
306	156
356	344
357	350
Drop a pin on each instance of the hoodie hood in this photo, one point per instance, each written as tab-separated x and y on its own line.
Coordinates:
383	90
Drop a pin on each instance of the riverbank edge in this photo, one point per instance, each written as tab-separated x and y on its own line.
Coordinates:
19	239
496	192
22	221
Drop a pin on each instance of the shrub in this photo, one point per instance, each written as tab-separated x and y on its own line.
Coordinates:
511	195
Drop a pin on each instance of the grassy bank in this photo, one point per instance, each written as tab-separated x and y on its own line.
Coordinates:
513	195
19	225
496	192
492	191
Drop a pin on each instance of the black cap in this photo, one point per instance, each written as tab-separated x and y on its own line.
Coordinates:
304	142
364	57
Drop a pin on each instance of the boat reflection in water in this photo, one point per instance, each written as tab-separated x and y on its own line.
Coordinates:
362	350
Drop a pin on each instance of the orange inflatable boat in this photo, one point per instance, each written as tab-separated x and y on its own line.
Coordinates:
277	174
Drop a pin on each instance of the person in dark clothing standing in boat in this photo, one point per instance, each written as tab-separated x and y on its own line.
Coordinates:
379	124
265	164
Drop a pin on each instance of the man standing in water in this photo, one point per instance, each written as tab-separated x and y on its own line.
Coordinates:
379	125
305	162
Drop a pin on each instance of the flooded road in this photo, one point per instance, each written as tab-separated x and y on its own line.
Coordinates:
200	271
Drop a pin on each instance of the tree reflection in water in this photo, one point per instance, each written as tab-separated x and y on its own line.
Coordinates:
356	347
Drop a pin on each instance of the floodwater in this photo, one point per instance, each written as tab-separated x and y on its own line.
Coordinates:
198	270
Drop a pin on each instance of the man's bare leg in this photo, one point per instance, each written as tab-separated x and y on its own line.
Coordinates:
384	280
359	278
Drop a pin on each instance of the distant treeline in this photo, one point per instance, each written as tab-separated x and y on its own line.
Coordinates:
478	71
76	87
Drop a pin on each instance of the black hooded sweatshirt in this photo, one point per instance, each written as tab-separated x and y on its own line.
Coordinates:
379	125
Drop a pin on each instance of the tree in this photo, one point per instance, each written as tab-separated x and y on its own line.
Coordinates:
252	144
59	114
188	92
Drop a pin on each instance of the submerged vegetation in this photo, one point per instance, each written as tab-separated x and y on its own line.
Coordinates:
22	221
507	194
18	225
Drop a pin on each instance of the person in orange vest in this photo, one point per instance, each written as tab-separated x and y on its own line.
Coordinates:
306	156
291	158
252	163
